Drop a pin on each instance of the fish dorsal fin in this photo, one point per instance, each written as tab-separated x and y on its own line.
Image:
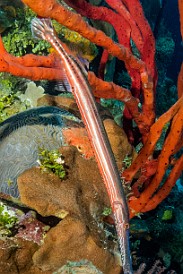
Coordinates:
84	62
62	85
74	50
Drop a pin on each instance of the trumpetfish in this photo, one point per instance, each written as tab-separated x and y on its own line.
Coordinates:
76	75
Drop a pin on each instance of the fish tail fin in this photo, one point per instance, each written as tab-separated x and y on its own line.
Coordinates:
42	28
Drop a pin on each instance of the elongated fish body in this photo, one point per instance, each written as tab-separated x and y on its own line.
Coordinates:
77	78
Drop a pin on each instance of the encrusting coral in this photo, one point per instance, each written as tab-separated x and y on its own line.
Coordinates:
79	200
32	94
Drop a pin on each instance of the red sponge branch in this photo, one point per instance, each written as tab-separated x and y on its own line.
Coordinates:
154	135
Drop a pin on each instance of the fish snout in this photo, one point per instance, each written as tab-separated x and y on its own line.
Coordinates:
42	28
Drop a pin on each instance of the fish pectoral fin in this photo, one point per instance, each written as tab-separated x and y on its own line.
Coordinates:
62	86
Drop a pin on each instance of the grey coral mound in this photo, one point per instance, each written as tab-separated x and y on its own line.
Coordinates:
22	135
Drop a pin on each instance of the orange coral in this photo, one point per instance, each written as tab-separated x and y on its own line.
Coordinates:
180	2
152	196
48	67
79	138
180	82
52	9
30	66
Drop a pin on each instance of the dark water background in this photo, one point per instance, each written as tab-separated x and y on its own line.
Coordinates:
170	15
166	11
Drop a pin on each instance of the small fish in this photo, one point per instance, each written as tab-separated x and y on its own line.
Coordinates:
76	74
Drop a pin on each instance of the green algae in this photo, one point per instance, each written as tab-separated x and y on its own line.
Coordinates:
8	219
52	161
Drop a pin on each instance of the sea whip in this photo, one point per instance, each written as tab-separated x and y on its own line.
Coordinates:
76	75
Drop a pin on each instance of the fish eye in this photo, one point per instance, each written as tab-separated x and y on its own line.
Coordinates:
79	148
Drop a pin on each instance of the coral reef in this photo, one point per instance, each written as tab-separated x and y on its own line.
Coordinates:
79	200
82	46
18	40
52	161
125	39
30	229
9	101
142	70
23	134
79	267
32	94
8	219
8	14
